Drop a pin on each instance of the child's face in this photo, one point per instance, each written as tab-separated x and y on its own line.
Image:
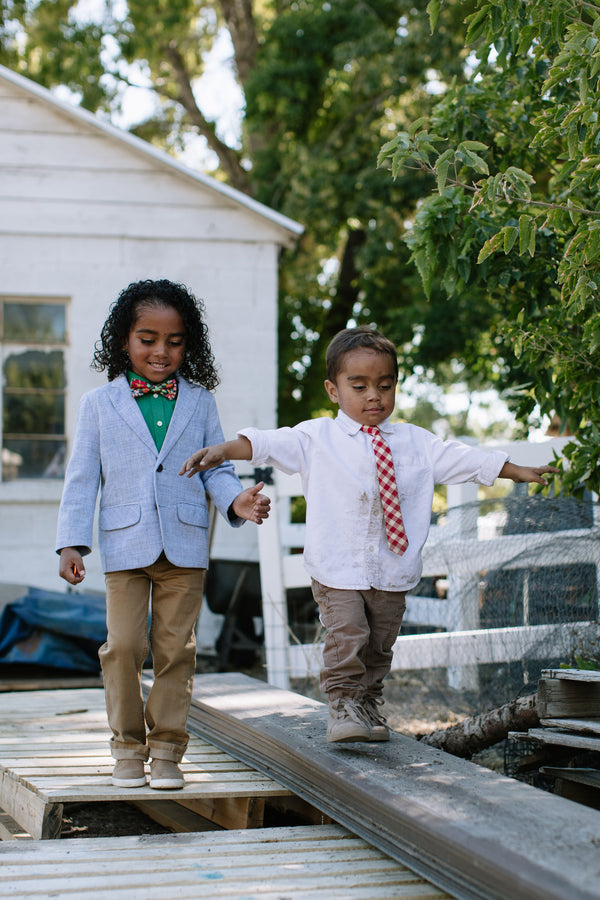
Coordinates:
365	388
156	342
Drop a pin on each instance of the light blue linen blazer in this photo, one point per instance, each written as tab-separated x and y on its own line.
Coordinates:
145	505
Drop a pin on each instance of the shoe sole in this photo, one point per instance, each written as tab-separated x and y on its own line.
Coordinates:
166	784
380	737
129	782
348	739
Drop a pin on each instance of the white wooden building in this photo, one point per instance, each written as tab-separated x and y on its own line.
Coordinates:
85	209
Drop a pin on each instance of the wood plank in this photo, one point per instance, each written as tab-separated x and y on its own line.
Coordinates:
588	675
563	738
37	816
581	726
175	816
587	776
229	812
32	684
11	830
415	803
563	697
305	862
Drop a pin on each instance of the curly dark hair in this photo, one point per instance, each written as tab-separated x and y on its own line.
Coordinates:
198	365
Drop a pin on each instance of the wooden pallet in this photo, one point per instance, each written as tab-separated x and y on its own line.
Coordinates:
305	862
54	750
568	705
574	693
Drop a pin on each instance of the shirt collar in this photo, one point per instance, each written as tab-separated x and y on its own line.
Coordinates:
350	426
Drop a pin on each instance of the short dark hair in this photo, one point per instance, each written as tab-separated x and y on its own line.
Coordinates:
351	339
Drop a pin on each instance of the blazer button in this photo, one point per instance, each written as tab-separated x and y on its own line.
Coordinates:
159	468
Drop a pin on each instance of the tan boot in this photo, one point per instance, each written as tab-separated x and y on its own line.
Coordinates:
165	775
379	728
129	773
347	721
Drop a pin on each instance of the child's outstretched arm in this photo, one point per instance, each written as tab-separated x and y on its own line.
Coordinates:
209	457
522	474
70	566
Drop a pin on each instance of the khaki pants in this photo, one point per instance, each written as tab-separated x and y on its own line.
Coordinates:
176	601
362	627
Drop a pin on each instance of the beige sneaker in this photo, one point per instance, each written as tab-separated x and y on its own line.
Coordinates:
165	775
129	773
379	728
347	721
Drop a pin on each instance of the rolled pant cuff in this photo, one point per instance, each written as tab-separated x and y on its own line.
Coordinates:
172	752
128	751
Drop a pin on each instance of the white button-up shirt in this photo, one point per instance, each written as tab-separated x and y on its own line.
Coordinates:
345	544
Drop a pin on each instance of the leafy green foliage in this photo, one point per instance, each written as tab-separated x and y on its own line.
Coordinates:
325	84
514	216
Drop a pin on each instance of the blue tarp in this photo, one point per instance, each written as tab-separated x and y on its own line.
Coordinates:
57	630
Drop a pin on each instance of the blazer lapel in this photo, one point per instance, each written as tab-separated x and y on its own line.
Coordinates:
128	409
185	405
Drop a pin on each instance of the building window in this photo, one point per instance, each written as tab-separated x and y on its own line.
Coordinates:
32	346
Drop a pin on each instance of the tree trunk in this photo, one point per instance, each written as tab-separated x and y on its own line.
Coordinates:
478	732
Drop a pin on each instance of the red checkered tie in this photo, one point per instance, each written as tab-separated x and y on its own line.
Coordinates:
388	489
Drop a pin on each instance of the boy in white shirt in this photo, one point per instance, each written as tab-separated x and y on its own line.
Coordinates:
359	578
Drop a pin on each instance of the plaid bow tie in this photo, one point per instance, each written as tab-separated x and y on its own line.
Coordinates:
168	388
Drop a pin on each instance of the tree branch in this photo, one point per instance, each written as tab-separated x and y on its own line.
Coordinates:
478	732
228	158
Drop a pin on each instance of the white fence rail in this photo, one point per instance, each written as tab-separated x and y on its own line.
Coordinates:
454	551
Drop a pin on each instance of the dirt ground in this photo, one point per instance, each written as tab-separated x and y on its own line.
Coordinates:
414	706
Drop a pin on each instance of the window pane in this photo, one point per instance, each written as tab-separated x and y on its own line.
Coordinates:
27	413
35	369
34	322
33	459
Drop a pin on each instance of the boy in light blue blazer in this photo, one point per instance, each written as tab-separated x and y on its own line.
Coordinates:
132	436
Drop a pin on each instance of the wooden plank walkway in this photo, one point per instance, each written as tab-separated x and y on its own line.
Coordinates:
303	862
54	750
472	831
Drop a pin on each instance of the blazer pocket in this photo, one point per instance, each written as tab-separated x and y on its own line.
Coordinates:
114	517
192	514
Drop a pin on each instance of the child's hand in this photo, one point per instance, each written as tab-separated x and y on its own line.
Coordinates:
71	566
252	505
207	458
526	474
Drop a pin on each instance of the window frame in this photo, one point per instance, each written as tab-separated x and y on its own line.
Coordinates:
24	344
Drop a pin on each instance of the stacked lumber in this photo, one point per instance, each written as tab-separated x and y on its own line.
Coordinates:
568	705
471	831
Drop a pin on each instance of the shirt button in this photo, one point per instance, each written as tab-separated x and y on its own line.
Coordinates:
159	424
155	396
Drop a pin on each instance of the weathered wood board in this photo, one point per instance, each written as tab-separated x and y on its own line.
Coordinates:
306	863
571	693
497	837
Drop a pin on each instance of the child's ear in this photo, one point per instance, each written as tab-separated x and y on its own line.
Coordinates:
331	391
